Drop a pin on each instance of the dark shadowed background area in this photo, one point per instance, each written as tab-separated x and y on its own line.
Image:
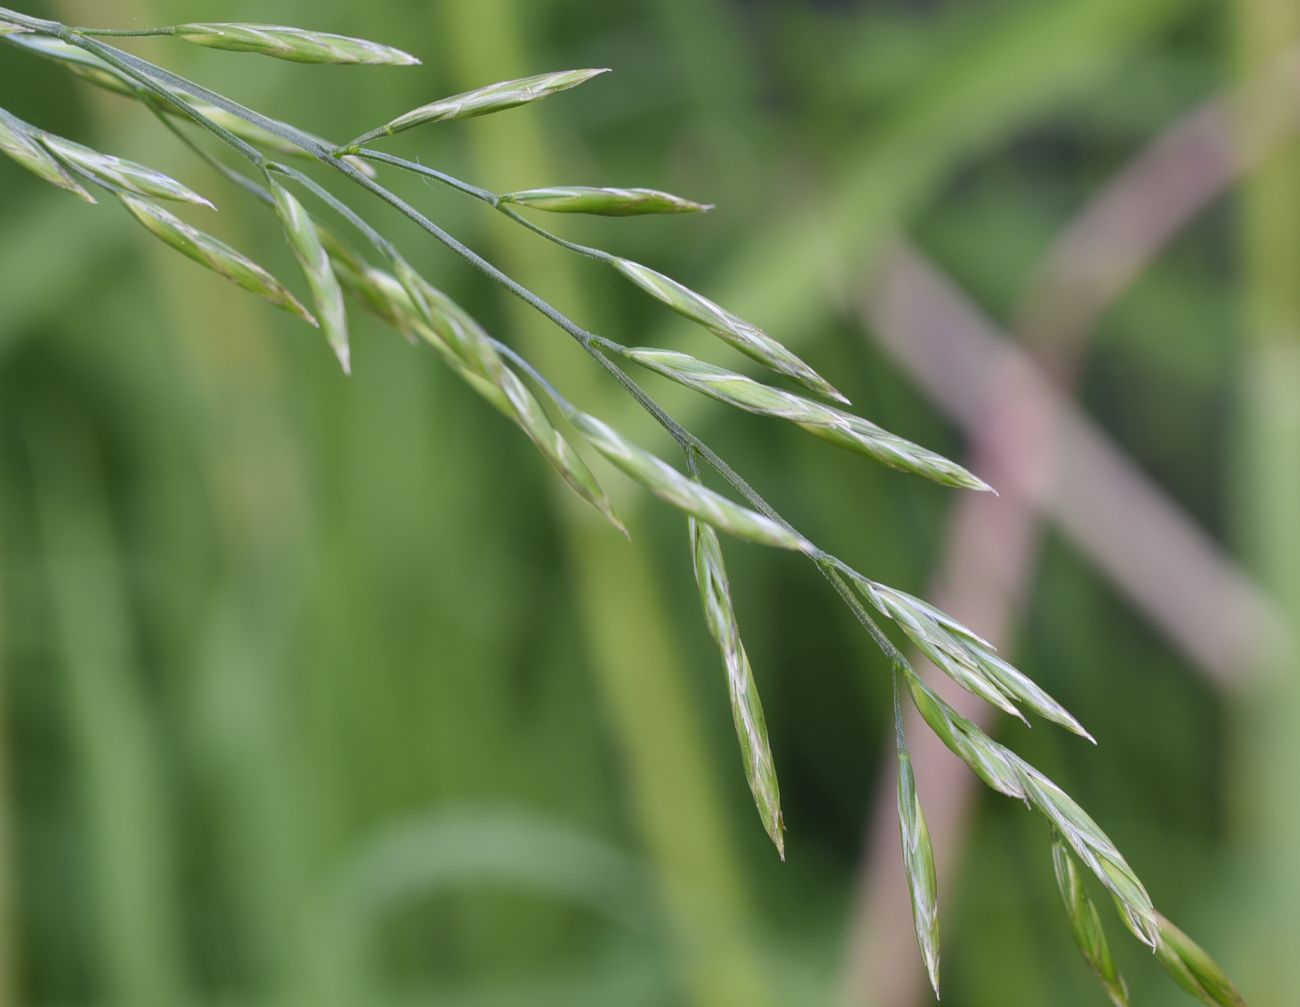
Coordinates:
325	690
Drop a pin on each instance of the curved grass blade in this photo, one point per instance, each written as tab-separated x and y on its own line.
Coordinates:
835	425
1193	969
308	249
19	143
214	254
731	329
746	708
918	859
605	202
482	101
1085	925
672	486
120	173
294	44
421	309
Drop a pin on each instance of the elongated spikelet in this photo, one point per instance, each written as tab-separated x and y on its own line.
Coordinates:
991	762
483	101
1094	848
748	339
19	143
1193	969
670	485
294	44
746	707
1085	925
214	254
121	173
965	657
326	293
416	306
605	202
918	864
835	425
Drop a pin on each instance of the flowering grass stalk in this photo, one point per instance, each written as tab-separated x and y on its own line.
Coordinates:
389	287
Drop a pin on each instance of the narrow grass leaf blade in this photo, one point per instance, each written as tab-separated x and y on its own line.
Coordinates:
1085	925
308	249
746	707
918	863
121	173
672	486
214	254
1193	969
605	202
294	44
835	425
748	339
485	100
18	142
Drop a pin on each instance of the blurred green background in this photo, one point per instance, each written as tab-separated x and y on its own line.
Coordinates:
317	690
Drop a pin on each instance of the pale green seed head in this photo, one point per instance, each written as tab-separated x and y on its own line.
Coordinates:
295	44
214	254
309	250
1193	969
918	864
20	144
1085	925
605	202
736	332
672	486
120	173
485	100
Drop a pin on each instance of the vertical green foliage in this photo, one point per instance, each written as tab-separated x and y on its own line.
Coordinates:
112	729
1267	499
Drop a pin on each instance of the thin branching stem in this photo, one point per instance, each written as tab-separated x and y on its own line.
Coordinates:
164	85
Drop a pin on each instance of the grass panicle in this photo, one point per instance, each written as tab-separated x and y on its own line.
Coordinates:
746	707
1085	925
603	202
423	314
